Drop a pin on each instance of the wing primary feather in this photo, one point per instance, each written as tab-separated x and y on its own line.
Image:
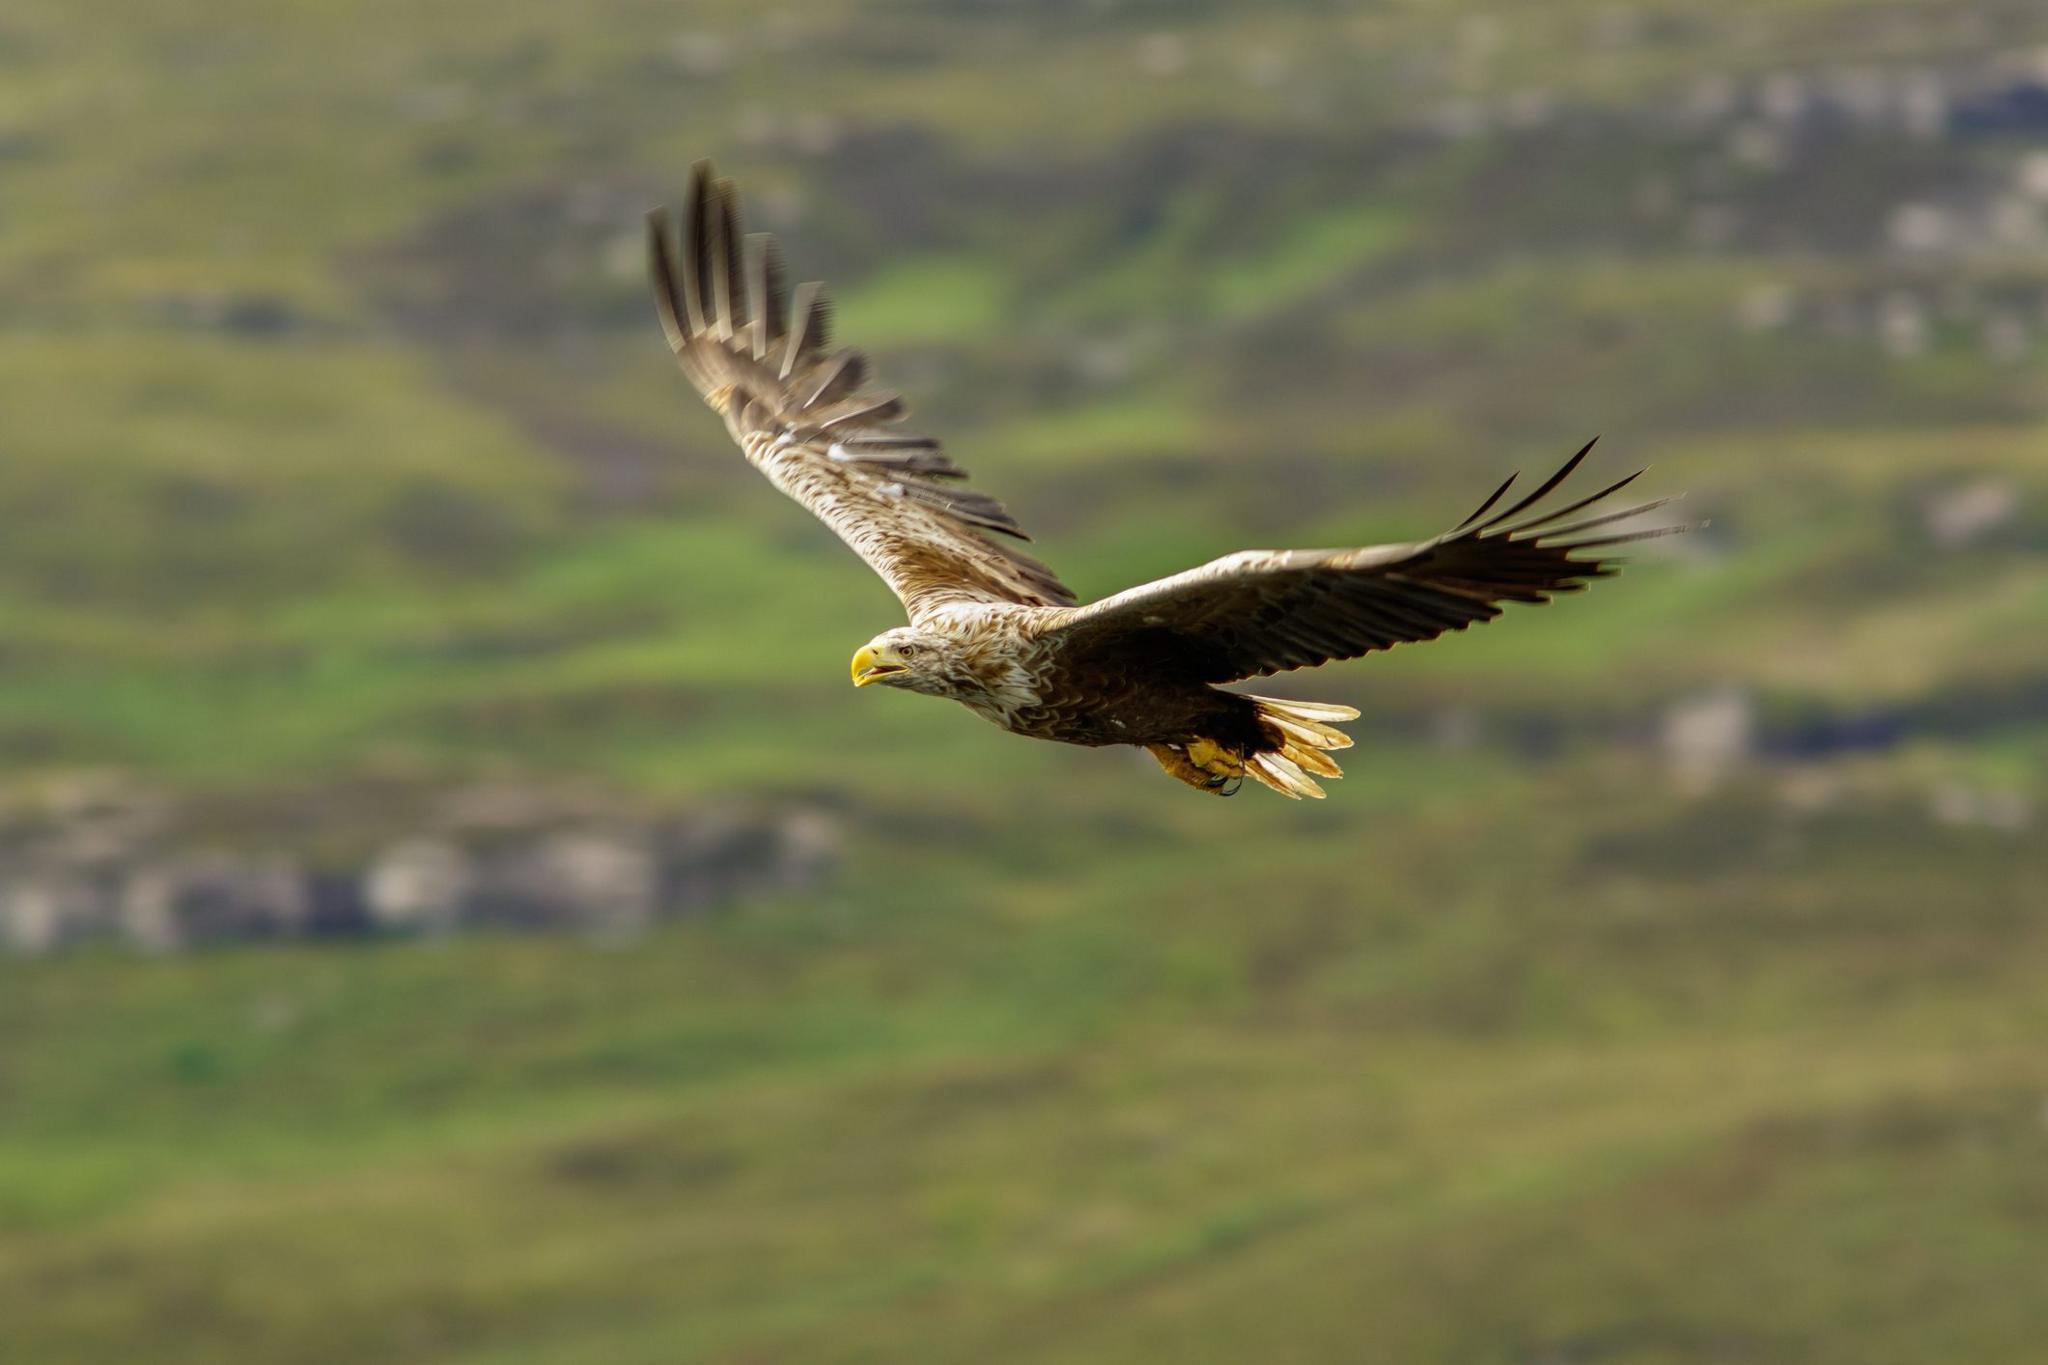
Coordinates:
757	245
1484	507
774	290
696	249
1569	508
724	297
1552	532
1430	624
1456	609
1653	534
1553	481
735	242
804	313
820	324
1410	624
667	295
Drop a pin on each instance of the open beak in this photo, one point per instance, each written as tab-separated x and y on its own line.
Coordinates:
870	666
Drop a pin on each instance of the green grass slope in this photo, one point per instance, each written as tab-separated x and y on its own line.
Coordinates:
1766	1093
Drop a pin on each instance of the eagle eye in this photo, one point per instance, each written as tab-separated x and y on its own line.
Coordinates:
907	651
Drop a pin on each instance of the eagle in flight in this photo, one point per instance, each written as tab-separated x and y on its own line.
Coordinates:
993	628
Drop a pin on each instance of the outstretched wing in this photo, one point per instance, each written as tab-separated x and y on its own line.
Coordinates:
1264	611
802	414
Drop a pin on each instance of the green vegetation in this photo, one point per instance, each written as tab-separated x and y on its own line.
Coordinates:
1757	1083
341	448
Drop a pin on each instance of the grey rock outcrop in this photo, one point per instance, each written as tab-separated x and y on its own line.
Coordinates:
96	860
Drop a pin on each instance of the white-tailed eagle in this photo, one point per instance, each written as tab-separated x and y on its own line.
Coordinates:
995	629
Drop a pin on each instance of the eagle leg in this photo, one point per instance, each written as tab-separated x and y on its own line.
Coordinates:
1202	764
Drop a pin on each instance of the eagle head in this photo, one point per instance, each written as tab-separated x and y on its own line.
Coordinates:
910	658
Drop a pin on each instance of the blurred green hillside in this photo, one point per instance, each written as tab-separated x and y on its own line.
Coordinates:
1663	984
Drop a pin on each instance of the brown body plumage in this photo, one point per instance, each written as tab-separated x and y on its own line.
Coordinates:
996	630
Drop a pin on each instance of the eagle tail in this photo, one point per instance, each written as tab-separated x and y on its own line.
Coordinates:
1299	736
1302	733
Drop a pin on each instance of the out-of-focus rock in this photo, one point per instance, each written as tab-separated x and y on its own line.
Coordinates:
1960	516
1923	105
2031	176
601	882
217	899
707	860
1862	95
1783	96
1758	146
1921	229
810	846
94	860
418	886
1704	736
40	913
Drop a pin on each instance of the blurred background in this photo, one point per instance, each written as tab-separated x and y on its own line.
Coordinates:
456	909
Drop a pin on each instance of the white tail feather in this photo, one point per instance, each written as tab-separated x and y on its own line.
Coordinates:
1308	710
1303	732
1280	773
1309	732
1313	760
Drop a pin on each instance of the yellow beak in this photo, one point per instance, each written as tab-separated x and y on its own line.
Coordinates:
871	664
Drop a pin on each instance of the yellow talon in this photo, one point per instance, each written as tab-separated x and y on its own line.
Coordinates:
1215	760
1202	764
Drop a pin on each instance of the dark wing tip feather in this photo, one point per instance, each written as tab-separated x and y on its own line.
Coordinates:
1485	507
809	325
1530	526
727	289
1623	538
668	301
1564	472
766	303
1260	612
696	251
1606	518
1542	531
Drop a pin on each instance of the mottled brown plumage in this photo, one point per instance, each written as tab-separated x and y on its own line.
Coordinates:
993	628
